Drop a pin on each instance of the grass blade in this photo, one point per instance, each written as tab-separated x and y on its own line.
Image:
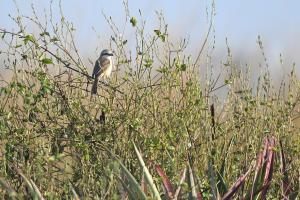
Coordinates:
258	167
31	185
37	191
182	179
191	183
221	185
75	195
143	183
134	185
285	186
8	188
130	192
147	174
212	179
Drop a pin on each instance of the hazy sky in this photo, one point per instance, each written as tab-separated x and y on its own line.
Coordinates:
276	21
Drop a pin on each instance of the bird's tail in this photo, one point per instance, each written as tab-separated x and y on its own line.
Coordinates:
95	86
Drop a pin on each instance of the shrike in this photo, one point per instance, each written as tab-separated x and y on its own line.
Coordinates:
102	68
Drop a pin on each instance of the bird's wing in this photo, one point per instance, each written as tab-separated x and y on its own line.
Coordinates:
105	63
97	68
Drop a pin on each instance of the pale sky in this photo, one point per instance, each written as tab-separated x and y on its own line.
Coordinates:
276	21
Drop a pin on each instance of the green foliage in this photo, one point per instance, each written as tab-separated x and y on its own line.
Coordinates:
160	35
133	21
46	61
29	38
198	132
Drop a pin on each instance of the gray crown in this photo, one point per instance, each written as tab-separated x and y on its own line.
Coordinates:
106	52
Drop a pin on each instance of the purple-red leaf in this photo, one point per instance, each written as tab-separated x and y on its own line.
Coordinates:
236	186
199	196
166	182
269	168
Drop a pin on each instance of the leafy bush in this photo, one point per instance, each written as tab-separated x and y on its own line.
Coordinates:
155	123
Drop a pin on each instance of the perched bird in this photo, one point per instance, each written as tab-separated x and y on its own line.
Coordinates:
102	68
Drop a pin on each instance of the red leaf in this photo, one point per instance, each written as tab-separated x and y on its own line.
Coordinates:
269	168
166	182
236	186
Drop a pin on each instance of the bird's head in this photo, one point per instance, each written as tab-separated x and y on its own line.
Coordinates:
106	53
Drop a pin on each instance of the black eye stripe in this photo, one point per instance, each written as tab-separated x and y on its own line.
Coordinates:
107	54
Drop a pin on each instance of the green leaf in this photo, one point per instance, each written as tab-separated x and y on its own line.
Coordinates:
163	38
47	61
134	187
148	63
44	33
8	188
133	21
24	56
147	174
160	35
228	81
163	70
3	35
182	67
54	39
157	32
35	192
29	38
191	183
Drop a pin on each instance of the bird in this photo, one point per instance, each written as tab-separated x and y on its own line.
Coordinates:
103	68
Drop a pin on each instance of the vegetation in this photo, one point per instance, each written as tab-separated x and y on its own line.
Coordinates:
156	130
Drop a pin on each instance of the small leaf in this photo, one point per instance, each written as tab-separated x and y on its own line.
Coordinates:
227	81
47	61
148	63
183	67
44	33
163	70
24	56
157	32
163	38
133	21
3	35
54	39
29	38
